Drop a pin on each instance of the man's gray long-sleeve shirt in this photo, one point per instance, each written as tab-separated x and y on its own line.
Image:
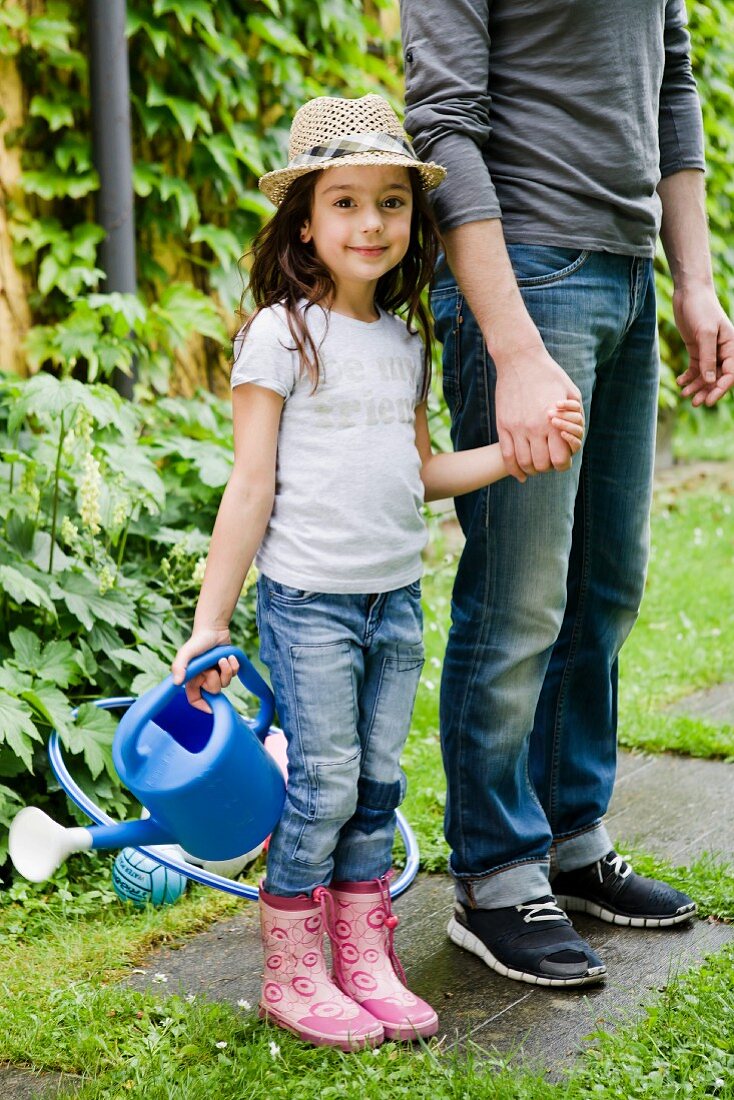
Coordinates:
560	116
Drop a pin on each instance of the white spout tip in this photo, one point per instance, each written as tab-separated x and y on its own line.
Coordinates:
38	845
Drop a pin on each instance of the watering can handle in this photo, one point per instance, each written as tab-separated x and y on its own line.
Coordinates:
248	675
160	696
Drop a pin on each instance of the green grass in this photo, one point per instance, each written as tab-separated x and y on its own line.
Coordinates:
62	1008
705	434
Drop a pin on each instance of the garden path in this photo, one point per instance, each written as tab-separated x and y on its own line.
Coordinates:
479	1007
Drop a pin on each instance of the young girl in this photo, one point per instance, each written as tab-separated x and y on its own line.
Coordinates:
332	464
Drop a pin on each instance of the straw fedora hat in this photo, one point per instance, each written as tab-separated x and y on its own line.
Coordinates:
328	132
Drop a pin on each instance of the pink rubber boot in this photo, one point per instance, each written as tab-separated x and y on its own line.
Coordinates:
365	964
297	992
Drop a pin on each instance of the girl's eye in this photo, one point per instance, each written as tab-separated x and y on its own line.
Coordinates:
393	203
344	204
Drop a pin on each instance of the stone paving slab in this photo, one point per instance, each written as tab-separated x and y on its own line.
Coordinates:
24	1084
670	806
715	705
676	807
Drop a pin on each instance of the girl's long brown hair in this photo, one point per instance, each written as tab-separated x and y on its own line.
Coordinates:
285	271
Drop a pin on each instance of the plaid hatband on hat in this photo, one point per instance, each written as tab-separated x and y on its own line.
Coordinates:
328	131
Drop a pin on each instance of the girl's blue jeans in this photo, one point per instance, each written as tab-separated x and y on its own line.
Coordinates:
550	580
345	671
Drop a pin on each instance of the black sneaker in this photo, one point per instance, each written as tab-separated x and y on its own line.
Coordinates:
611	890
534	943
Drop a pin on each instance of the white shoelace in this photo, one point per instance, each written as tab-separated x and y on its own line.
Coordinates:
541	910
618	865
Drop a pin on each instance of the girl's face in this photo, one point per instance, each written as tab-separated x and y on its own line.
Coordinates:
360	223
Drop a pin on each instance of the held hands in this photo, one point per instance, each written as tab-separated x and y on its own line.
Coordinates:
709	338
530	441
214	679
567	418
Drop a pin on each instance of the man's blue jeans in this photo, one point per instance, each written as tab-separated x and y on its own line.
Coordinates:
345	670
550	580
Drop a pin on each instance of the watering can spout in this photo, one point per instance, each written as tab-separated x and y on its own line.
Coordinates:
38	845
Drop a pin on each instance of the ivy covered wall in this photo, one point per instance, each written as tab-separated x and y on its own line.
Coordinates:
214	86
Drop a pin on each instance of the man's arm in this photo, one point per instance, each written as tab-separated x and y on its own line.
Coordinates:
447	59
706	330
529	381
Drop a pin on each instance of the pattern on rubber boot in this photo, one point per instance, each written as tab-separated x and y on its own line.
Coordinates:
298	992
611	890
361	929
534	943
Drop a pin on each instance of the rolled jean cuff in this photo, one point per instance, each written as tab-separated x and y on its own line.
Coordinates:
511	886
580	850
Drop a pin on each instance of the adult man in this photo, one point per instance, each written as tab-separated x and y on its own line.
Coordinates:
556	120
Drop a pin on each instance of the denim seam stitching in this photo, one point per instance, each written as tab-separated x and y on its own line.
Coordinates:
469	877
475	662
585	489
555	276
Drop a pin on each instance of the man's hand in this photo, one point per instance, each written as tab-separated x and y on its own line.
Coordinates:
526	388
709	338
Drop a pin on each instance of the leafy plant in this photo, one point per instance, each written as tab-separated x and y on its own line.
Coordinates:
105	518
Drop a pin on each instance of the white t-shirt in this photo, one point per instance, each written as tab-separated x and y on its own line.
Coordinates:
348	490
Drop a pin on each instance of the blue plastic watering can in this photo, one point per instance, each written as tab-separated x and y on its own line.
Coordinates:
206	779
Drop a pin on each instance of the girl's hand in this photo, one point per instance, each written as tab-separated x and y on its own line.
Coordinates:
214	679
567	417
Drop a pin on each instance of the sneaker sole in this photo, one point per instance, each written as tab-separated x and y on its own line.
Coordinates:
462	937
583	905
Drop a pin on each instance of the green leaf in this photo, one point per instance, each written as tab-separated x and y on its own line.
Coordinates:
13	16
186	11
153	669
83	599
223	242
188	206
51	705
137	469
22	589
49	399
187	310
17	729
157	35
56	662
52	183
56	113
91	734
47	33
270	30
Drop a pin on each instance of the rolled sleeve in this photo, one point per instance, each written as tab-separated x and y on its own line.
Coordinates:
447	54
680	125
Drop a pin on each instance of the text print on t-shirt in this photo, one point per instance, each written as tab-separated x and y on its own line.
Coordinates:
383	402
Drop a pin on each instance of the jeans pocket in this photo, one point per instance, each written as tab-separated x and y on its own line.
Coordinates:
446	305
283	593
538	265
